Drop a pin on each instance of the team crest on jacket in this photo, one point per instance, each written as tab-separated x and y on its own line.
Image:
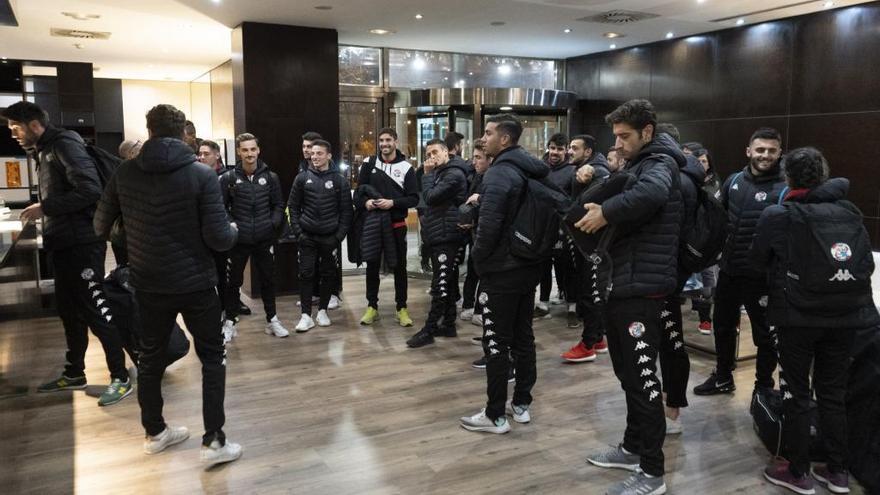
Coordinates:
328	184
484	298
262	181
637	329
87	274
841	251
760	196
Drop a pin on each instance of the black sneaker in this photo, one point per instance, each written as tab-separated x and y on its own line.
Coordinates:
422	338
479	364
243	309
716	384
446	332
573	320
541	312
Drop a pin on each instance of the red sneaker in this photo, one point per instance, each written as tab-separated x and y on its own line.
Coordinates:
601	347
706	327
580	353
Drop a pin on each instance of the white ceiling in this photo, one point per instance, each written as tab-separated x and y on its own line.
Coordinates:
182	39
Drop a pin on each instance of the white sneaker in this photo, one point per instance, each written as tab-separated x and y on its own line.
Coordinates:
673	427
322	318
171	435
459	302
217	454
544	305
520	413
477	320
229	331
334	302
305	324
274	327
467	314
481	422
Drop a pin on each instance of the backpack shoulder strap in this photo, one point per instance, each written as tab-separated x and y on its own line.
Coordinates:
782	194
733	182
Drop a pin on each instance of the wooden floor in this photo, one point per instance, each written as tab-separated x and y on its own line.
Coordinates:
351	410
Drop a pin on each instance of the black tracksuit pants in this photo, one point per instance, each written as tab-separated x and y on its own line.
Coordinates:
634	337
731	293
312	254
263	260
201	314
444	287
828	351
589	306
82	304
469	290
336	286
222	262
508	306
400	281
565	263
675	365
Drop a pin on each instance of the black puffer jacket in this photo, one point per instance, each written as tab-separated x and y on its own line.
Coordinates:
691	175
443	190
745	196
645	261
69	189
600	171
254	203
501	191
372	233
320	204
174	217
770	254
307	164
562	175
394	180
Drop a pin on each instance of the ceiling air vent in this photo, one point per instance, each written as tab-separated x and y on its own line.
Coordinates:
79	34
618	17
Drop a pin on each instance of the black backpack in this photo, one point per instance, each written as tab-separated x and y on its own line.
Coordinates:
701	241
535	227
768	420
830	262
105	162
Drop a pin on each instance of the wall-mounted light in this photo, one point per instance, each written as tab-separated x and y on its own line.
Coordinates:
506	109
381	31
740	22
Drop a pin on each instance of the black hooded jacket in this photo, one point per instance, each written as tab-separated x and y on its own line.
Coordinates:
745	196
254	203
563	176
174	217
770	254
501	191
320	204
69	189
600	171
645	260
443	190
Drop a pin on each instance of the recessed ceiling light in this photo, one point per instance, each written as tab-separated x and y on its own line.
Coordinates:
612	46
445	78
469	73
168	78
504	69
461	82
419	64
217	1
828	5
505	109
700	1
419	16
323	7
669	35
612	35
497	23
80	16
372	81
381	31
740	22
566	30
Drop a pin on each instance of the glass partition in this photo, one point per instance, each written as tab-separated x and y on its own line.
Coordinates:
424	69
360	66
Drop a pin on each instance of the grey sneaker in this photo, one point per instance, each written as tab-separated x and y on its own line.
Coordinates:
615	457
638	483
481	422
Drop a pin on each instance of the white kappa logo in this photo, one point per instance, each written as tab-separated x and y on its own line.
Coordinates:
637	329
842	275
87	274
760	196
262	181
328	184
841	251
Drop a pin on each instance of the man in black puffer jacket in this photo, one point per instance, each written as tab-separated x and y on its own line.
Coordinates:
507	283
252	194
174	218
69	189
320	215
444	188
745	195
644	271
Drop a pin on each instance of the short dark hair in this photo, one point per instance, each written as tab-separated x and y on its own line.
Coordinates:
635	113
387	130
436	141
311	136
559	139
693	146
189	128
25	112
805	168
210	144
453	139
589	141
479	146
166	120
323	144
245	136
768	133
507	123
671	130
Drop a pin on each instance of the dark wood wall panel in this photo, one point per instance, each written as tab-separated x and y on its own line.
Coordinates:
812	77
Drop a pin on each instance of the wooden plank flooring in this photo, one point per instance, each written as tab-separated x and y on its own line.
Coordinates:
351	410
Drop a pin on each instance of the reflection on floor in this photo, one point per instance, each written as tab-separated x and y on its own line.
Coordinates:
351	410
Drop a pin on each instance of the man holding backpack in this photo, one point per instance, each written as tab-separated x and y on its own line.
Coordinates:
644	271
745	195
816	249
70	186
507	281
